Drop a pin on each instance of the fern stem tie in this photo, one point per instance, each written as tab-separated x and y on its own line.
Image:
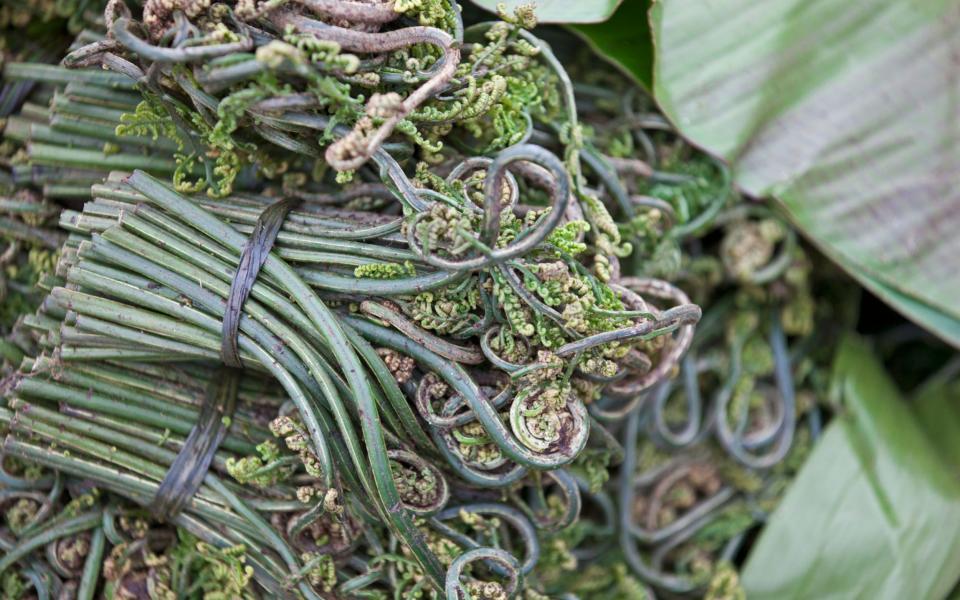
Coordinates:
190	467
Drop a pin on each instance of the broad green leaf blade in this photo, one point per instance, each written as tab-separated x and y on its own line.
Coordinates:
624	40
874	512
561	11
937	408
844	111
943	325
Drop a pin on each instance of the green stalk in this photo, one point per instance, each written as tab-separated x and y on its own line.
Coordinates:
66	191
45	154
90	426
52	74
130	486
91	93
72	526
64	105
107	133
34	235
91	566
34	387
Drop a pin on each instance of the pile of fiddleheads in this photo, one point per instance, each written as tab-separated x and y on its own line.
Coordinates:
464	316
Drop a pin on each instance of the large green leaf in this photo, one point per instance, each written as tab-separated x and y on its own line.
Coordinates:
937	408
624	40
617	30
561	11
846	111
943	324
874	512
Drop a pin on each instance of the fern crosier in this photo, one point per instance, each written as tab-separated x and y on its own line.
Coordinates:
385	270
262	471
297	440
320	570
504	85
149	119
219	573
447	311
432	13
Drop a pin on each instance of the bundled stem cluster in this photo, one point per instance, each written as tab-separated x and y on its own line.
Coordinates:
479	285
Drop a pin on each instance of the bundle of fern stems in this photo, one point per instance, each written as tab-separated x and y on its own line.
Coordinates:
440	308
